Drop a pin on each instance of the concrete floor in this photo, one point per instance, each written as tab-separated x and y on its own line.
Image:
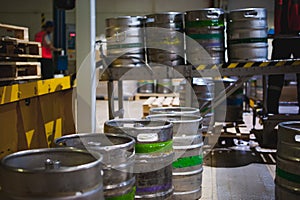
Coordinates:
230	173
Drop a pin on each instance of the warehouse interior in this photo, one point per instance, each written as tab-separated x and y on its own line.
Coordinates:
193	75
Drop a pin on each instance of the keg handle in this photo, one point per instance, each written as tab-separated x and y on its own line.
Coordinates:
297	138
251	13
213	15
52	164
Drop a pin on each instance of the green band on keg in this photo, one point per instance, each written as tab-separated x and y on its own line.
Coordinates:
124	46
153	147
288	176
188	161
204	23
248	40
206	36
128	196
206	109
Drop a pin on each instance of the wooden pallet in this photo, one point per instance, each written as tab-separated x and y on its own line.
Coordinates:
11	47
17	32
13	71
154	102
139	96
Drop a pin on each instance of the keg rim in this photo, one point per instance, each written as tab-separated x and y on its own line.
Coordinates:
247	9
167	124
185	109
87	135
206	9
285	125
197	118
126	17
165	13
97	156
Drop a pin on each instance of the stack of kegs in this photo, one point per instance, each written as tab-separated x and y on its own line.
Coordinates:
125	41
154	155
165	38
231	109
187	165
206	27
247	35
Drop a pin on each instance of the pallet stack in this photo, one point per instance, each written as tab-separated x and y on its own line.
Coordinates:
154	102
18	55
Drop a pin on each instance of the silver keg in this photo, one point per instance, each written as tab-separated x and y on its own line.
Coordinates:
52	174
164	86
288	161
164	38
145	86
125	41
154	155
204	92
187	169
187	165
206	27
118	160
247	35
231	109
183	124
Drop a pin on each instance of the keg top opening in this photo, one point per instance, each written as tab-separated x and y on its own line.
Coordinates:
138	124
97	141
51	160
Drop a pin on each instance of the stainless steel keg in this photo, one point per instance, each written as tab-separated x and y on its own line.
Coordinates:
288	161
187	169
247	35
118	160
125	41
165	39
154	155
52	174
206	27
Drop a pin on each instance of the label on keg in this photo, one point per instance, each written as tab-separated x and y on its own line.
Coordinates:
127	196
154	147
147	137
188	161
297	138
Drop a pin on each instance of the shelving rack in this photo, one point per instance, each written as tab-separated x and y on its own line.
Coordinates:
244	71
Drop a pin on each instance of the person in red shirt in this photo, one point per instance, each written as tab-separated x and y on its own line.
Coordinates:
285	44
44	37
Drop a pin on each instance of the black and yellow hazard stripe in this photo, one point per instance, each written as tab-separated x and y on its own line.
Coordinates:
43	19
276	63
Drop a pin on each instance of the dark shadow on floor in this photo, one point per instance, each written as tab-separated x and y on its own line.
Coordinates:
237	156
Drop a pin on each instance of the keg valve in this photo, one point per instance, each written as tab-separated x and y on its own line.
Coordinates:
52	164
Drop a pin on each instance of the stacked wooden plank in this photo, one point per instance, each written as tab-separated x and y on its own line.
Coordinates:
18	55
154	102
